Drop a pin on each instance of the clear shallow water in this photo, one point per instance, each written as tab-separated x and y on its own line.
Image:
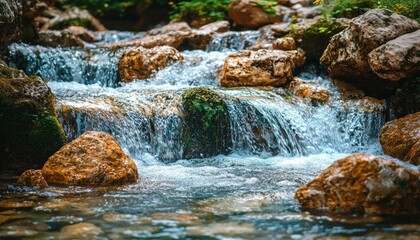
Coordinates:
280	143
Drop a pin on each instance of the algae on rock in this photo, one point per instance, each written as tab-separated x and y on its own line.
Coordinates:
30	131
206	127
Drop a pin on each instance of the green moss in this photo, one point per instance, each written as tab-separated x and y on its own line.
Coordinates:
73	22
30	131
205	127
315	38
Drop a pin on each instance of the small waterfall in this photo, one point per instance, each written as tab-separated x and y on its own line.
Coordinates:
233	41
67	64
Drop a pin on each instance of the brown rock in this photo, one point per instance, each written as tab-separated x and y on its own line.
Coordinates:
83	33
32	178
248	14
80	230
398	58
201	37
400	138
74	17
347	54
173	34
260	68
363	183
286	43
55	38
94	158
307	90
141	63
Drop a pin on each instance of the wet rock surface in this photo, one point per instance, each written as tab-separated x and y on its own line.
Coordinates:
363	183
248	14
400	138
32	178
93	159
202	36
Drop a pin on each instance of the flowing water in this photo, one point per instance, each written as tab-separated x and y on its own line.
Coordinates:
279	142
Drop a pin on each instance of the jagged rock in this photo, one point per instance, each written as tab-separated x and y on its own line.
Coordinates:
141	63
32	178
363	183
397	59
347	54
74	17
30	131
260	68
206	128
173	34
94	158
201	37
303	89
313	35
286	43
400	138
248	14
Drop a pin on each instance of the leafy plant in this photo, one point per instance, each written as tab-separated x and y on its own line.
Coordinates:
269	6
202	10
408	8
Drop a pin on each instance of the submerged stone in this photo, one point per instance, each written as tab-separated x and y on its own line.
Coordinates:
93	159
206	127
30	131
363	183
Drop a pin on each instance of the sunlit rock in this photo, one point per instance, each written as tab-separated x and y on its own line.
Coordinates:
16	204
400	138
30	131
303	89
287	43
397	59
248	14
226	229
206	129
363	183
260	68
32	178
173	34
347	53
74	17
93	159
202	36
141	63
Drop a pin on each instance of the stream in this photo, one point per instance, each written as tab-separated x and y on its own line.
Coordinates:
279	143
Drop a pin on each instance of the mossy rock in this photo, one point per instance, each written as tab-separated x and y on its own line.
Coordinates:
30	131
206	129
314	39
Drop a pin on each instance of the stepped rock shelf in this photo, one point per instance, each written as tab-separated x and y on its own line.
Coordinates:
184	133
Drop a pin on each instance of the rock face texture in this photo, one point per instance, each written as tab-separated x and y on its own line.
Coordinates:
316	94
400	138
248	14
93	159
363	183
206	129
202	36
286	43
10	22
32	178
398	58
141	63
30	131
260	68
347	54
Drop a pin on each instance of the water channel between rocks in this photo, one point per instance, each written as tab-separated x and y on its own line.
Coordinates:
279	142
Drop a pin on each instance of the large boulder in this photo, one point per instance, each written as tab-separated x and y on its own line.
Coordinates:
363	183
202	36
93	159
247	13
400	138
142	63
30	131
173	34
397	59
205	130
347	54
260	68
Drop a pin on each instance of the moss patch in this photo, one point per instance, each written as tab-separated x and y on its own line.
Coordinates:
206	127
30	131
315	38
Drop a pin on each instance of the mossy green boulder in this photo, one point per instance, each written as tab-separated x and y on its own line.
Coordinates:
29	129
206	128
